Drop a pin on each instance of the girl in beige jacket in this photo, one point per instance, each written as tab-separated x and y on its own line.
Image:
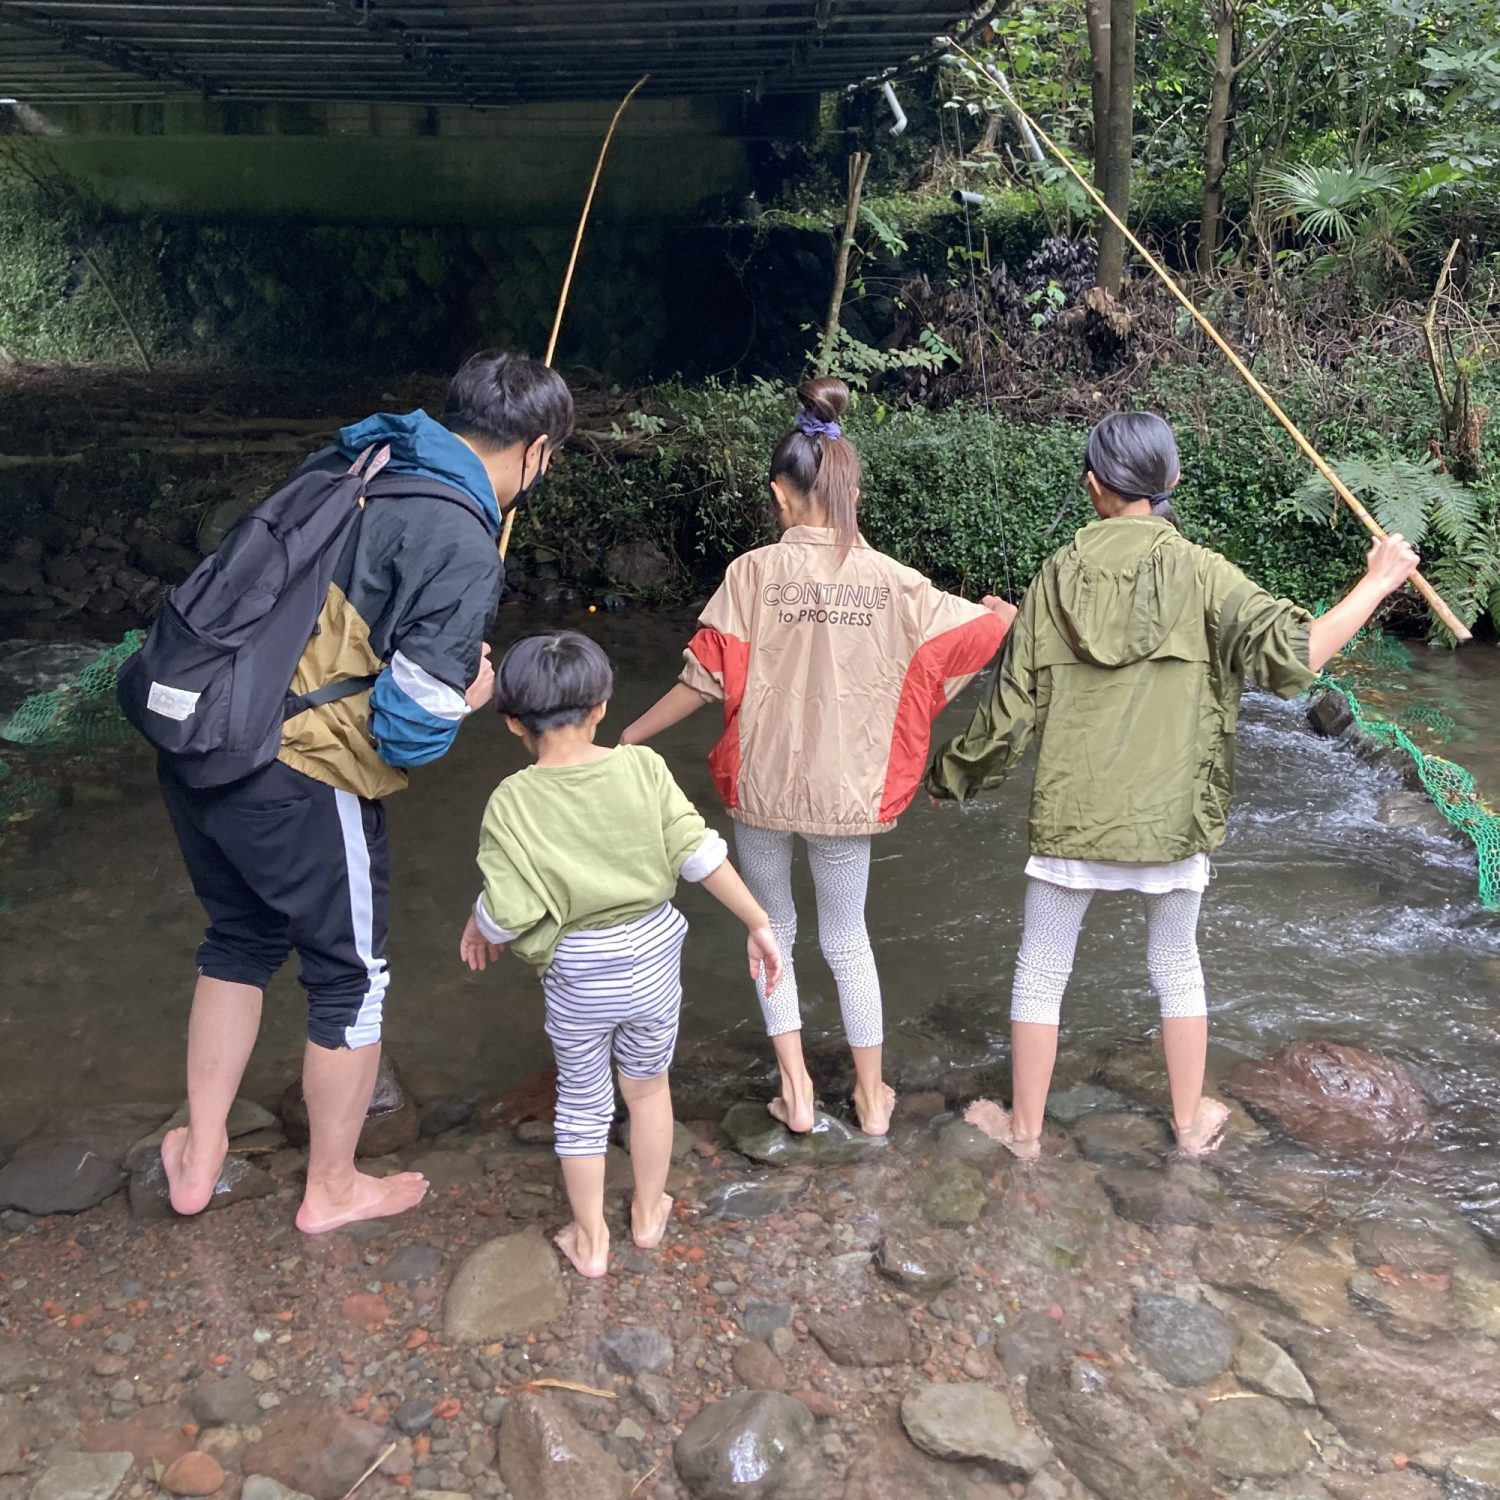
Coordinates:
830	661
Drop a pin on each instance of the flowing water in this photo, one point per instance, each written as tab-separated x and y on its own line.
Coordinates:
1321	922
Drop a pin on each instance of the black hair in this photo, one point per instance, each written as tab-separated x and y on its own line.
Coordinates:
550	681
1134	454
497	399
819	464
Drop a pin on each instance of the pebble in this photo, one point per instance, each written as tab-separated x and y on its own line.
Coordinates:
120	1343
413	1417
636	1351
260	1371
122	1392
193	1474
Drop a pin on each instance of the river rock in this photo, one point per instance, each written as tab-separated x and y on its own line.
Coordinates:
916	1261
1156	1196
1384	1397
510	1285
314	1447
21	1366
1429	1236
887	1467
412	1264
16	1436
245	1118
391	1123
1474	1473
1476	1304
262	1487
638	565
762	1320
960	1141
1029	1343
952	1194
193	1474
546	1455
1266	1367
1121	1139
636	1351
1407	809
757	1135
82	1476
871	1334
756	1367
1252	1439
1303	1278
63	1178
1332	1097
239	1180
1412	1306
972	1422
743	1447
229	1401
756	1197
1068	1106
1106	1442
1187	1343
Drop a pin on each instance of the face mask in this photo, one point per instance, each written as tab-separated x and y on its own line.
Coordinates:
528	487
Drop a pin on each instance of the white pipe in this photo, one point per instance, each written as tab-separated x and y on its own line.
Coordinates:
899	127
1033	146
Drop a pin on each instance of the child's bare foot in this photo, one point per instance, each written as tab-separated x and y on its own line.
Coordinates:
1206	1133
192	1174
875	1114
589	1259
795	1106
648	1227
990	1119
367	1198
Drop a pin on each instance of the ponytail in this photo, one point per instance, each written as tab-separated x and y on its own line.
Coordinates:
819	461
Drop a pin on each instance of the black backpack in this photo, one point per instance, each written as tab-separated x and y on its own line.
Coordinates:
210	688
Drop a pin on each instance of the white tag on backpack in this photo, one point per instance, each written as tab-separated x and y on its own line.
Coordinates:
172	703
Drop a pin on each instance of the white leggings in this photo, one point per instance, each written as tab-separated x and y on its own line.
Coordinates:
1054	918
841	876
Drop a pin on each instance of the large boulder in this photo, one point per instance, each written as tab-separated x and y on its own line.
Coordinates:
744	1447
546	1455
510	1285
1335	1098
392	1122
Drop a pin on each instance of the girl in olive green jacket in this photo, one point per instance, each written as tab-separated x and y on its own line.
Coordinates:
1127	662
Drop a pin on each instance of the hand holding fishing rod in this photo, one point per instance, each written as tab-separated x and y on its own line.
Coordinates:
1435	601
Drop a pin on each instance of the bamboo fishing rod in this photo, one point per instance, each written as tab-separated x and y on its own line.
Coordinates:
567	283
1435	600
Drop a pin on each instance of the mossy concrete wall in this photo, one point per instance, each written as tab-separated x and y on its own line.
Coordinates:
398	164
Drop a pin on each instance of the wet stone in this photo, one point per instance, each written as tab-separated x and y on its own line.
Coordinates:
756	1197
1476	1304
1412	1306
960	1141
870	1335
1120	1139
193	1474
546	1455
82	1476
761	1319
22	1366
239	1180
510	1285
972	1422
1474	1473
1266	1367
315	1448
226	1402
260	1487
952	1194
1068	1106
62	1178
451	1112
1030	1342
245	1118
413	1263
413	1417
1300	1277
636	1351
915	1261
743	1447
887	1467
755	1134
1253	1439
655	1392
756	1367
391	1123
1152	1197
1187	1343
16	1436
536	1133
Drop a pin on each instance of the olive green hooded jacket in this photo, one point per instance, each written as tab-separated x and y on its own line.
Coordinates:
1127	660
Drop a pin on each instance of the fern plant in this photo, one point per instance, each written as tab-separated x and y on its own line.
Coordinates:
1425	504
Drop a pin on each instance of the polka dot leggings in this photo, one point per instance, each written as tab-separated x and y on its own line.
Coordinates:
841	877
1054	918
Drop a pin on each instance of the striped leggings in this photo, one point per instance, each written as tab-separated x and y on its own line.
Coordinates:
615	991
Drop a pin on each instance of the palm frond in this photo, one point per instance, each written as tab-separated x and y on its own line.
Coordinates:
1326	200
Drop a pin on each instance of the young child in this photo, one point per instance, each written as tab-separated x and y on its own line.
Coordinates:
831	660
1127	662
580	855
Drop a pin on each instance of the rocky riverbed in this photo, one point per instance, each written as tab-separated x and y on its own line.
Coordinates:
1299	1318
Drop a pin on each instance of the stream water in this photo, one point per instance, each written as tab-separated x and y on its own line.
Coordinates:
1320	922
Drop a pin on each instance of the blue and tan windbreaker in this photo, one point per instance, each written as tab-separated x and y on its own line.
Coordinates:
411	600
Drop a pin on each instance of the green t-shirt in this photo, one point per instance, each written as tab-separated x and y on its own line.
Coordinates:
569	848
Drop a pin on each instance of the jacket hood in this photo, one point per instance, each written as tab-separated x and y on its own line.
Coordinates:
1120	588
422	446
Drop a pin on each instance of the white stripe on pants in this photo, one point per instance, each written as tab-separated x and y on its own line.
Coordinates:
841	878
614	990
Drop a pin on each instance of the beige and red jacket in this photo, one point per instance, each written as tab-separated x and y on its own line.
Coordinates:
830	675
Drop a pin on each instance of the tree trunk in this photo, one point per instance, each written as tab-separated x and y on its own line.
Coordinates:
1216	145
859	164
1119	138
1098	17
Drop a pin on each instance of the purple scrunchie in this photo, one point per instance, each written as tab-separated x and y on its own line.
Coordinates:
809	424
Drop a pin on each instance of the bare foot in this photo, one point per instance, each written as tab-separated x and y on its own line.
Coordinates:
795	1106
588	1260
192	1174
875	1114
1206	1133
990	1119
647	1229
368	1198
